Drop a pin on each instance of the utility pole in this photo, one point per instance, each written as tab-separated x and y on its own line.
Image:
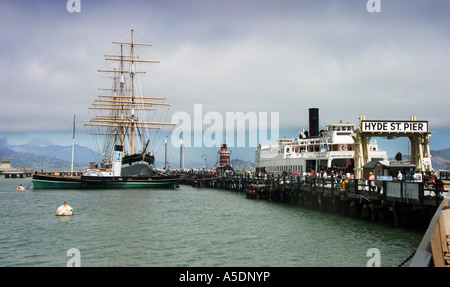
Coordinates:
181	150
166	163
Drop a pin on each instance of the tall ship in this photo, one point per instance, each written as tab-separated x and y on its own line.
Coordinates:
119	115
313	150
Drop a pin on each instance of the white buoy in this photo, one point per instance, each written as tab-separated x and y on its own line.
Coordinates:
64	210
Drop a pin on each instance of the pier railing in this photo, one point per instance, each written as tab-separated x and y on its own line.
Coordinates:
409	192
444	174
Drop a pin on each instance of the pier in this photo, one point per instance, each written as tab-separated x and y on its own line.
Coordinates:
402	203
17	172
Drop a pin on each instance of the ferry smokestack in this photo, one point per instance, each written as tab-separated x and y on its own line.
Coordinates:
313	122
117	164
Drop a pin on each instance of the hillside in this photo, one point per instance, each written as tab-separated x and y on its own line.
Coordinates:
59	157
440	158
31	160
82	154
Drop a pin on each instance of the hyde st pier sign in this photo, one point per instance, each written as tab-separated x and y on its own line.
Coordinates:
394	126
416	131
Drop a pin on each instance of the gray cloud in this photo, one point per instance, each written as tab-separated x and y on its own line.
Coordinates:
283	56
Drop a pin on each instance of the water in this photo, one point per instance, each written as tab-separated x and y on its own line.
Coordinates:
184	227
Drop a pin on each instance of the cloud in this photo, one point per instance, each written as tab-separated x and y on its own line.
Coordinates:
284	56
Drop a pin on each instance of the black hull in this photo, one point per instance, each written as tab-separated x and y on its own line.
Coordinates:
100	182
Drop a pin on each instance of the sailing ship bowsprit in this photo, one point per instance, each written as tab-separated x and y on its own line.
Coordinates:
119	115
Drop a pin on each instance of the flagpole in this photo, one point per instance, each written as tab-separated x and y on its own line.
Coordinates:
73	145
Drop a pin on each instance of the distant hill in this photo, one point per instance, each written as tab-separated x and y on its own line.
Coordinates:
59	157
47	157
31	160
82	154
440	158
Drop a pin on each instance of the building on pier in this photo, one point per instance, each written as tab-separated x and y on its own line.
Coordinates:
314	150
5	165
343	146
224	162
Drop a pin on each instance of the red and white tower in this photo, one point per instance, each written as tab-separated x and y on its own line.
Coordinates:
224	156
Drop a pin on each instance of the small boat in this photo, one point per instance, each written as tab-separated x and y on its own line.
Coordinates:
20	187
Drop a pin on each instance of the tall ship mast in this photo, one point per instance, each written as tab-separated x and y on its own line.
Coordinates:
120	112
120	115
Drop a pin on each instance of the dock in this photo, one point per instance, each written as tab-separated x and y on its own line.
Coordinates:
17	172
28	172
402	203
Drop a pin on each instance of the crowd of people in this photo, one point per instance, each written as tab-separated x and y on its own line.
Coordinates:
430	181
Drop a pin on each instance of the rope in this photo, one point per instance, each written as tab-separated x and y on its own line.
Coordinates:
407	259
29	184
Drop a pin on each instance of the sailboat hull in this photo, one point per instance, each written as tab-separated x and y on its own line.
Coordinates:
97	182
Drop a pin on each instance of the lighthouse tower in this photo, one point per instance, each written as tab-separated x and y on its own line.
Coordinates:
224	157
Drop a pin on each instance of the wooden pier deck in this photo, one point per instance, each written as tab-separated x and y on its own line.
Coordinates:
398	202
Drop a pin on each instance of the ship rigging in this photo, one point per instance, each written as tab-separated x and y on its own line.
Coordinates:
120	112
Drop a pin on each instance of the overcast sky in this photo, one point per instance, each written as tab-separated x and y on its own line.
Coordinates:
244	55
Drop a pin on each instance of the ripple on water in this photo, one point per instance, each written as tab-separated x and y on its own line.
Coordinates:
184	227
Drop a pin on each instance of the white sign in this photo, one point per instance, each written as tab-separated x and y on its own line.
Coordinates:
394	126
427	161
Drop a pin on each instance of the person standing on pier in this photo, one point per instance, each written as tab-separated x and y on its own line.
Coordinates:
400	175
324	177
371	181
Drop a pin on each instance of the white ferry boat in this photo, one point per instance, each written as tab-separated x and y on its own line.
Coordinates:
330	149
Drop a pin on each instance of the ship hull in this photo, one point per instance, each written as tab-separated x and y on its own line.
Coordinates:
95	182
138	165
137	169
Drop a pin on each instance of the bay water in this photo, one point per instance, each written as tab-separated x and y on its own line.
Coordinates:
185	227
